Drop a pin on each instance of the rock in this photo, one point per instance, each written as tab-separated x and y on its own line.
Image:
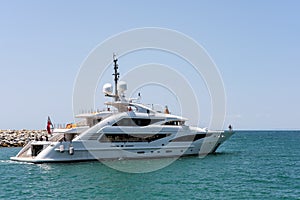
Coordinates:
18	138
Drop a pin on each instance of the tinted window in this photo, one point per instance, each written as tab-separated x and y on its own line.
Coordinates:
131	137
136	122
190	138
174	123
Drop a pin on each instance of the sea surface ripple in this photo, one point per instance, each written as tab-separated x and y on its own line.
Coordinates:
250	165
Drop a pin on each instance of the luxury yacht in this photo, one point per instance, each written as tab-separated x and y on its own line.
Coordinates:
124	130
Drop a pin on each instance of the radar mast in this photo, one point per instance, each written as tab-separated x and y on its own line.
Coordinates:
117	75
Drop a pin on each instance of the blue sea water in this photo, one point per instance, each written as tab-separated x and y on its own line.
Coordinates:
250	165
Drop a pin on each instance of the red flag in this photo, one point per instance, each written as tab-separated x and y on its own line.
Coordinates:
49	124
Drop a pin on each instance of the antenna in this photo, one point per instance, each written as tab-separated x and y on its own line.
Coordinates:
117	75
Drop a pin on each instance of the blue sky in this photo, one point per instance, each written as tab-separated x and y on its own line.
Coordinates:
255	45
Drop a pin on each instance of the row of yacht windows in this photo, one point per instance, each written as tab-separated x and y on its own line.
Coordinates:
144	122
122	137
132	137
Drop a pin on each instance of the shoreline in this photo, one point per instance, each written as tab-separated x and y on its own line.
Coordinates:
19	138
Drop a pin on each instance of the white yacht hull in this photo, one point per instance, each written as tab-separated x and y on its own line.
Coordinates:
93	150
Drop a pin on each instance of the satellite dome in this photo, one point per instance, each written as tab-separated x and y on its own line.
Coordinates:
107	89
122	86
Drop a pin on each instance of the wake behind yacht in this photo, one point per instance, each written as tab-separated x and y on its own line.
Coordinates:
125	130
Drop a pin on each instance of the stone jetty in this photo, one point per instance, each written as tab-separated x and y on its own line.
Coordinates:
18	138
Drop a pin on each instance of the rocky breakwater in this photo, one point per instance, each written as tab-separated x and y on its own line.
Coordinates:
18	138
